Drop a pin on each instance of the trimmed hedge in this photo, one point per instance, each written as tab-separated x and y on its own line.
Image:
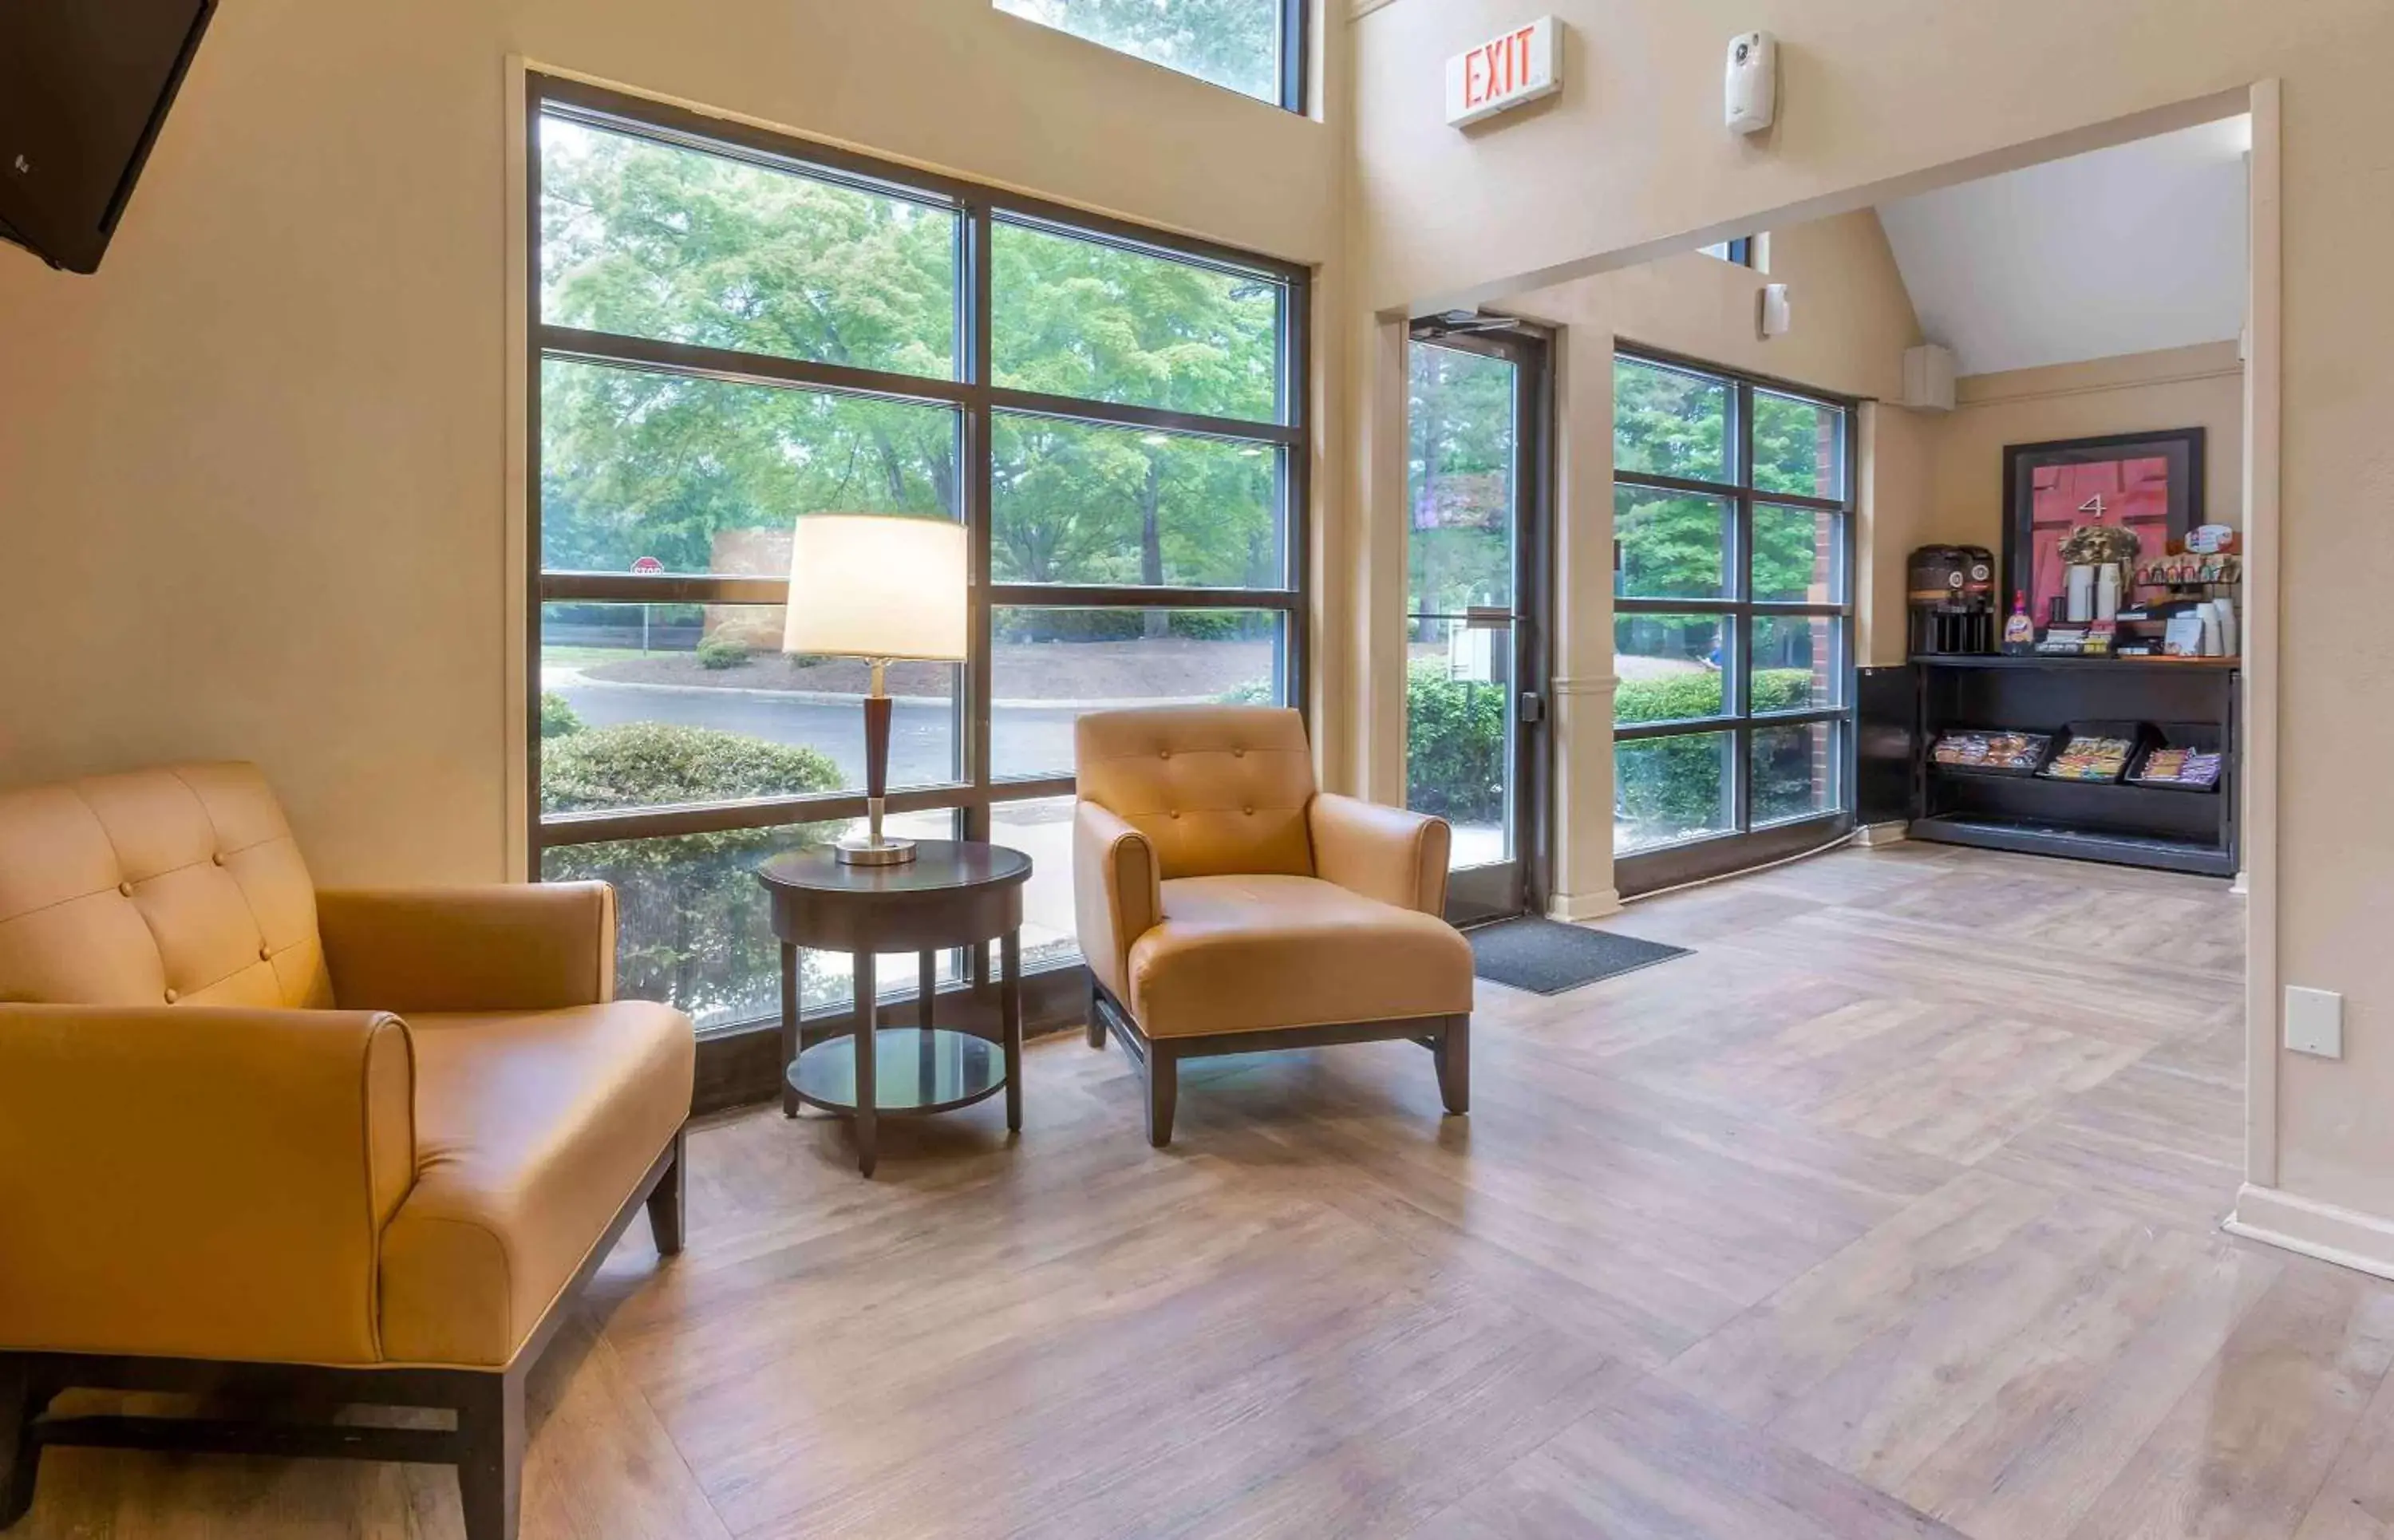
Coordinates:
1667	788
1454	749
1050	626
690	914
1455	745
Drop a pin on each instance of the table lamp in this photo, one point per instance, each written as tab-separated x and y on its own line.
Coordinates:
878	587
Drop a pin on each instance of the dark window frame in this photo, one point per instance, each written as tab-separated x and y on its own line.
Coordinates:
1475	895
1737	609
1296	39
969	391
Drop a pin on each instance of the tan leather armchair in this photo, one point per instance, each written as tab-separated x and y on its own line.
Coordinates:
258	1138
1225	905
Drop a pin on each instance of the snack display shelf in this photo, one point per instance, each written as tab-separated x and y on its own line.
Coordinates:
2031	836
2189	703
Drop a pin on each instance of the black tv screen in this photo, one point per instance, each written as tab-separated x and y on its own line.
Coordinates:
83	86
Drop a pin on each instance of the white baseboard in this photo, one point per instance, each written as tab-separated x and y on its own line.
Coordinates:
1872	836
2243	885
2345	1236
1579	908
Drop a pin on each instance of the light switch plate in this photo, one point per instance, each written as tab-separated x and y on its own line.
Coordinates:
2315	1022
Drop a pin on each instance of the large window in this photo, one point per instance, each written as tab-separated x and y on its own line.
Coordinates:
1255	47
733	330
1733	620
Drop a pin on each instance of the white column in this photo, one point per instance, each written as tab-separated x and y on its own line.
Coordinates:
1584	681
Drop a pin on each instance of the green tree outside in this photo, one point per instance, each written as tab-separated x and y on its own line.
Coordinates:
1231	42
658	242
1672	424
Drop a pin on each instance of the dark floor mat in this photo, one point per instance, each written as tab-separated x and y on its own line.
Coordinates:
1548	958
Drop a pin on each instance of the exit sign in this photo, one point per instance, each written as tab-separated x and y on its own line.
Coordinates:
1503	74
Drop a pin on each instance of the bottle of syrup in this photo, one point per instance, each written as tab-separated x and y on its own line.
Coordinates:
2019	632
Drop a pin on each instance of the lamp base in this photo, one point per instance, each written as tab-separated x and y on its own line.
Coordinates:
873	847
867	850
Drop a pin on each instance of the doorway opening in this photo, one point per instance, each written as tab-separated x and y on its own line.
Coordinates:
1478	605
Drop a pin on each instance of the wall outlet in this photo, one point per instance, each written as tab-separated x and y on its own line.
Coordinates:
2315	1022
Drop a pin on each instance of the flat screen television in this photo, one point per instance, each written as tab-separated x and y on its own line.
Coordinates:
83	86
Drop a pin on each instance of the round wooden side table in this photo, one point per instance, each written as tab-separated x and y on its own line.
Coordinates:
952	893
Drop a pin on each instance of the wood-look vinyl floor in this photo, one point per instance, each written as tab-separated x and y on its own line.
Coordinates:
1891	1211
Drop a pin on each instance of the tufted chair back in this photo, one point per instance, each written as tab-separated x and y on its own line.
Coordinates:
1219	790
180	885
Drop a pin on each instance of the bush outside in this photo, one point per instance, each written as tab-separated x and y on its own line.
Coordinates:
1454	750
1672	787
1017	626
692	916
1455	745
557	716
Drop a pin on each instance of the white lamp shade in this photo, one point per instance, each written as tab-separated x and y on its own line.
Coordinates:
877	586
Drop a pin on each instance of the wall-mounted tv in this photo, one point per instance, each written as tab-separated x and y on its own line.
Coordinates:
84	85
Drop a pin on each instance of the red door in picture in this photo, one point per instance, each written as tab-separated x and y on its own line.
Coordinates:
2132	494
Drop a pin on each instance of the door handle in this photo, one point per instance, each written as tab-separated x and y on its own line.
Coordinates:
1533	706
1487	617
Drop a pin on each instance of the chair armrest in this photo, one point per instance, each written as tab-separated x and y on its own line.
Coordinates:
1117	892
1384	853
200	1183
523	946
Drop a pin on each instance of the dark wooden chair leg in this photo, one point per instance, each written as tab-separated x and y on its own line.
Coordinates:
490	1476
1163	1092
20	1454
1455	1064
1096	1019
667	1198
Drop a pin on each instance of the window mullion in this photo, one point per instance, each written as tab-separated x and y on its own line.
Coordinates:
979	474
691	361
1122	415
1747	539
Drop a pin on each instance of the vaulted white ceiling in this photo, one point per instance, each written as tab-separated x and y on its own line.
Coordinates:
2127	250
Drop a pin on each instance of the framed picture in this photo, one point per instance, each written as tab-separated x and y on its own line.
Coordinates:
2151	484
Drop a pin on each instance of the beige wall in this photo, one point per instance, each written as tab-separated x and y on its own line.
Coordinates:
2200	387
1853	319
1630	159
253	475
1879	101
1895	517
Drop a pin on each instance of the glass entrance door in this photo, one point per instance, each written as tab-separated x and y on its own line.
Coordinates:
1475	664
